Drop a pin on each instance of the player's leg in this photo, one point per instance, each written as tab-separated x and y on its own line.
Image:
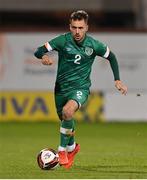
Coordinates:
67	124
67	129
66	111
73	148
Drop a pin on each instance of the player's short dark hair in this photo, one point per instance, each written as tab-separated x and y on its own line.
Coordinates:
79	15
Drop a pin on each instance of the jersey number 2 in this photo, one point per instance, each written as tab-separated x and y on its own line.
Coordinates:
77	59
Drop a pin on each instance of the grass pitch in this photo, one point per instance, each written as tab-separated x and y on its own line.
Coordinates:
109	150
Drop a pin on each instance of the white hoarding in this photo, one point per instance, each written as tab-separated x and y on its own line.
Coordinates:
125	108
23	71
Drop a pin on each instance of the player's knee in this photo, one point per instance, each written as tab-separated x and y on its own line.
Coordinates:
67	113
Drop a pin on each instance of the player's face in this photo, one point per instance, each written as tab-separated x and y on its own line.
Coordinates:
78	29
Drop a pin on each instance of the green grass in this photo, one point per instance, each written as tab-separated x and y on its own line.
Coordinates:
111	150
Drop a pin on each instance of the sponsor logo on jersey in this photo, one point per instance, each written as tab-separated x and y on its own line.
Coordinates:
88	51
68	49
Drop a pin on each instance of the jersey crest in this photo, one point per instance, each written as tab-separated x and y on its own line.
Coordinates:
88	51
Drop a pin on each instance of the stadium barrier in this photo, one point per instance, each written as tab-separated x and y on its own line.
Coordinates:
40	106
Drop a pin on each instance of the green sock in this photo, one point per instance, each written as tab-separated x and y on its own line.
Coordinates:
72	139
65	129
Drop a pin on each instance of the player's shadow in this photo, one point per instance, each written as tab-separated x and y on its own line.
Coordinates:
109	169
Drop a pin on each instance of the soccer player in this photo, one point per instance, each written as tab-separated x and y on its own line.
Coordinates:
76	54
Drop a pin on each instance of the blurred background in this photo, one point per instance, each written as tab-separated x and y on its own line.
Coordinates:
26	86
130	14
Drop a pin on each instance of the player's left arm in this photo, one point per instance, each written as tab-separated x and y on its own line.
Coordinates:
102	50
115	68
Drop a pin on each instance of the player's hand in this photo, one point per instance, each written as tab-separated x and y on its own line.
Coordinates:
121	87
46	60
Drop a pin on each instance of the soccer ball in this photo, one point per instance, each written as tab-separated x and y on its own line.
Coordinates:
48	159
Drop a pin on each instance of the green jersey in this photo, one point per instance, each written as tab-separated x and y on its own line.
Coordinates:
75	61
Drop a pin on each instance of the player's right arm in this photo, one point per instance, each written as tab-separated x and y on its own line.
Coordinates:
55	44
46	60
40	53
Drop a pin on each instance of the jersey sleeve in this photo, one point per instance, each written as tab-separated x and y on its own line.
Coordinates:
56	43
101	49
